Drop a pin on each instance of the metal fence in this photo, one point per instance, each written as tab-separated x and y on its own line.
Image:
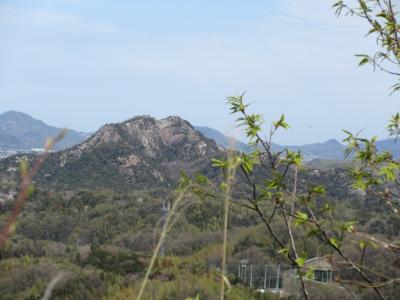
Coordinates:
257	276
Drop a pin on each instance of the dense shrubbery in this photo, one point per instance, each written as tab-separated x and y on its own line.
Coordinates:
117	261
27	278
78	228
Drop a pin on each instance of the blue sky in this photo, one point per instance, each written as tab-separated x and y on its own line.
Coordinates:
81	64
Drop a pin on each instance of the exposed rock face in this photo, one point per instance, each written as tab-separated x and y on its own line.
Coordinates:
139	153
170	138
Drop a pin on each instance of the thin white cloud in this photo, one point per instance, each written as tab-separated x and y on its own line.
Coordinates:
292	56
13	16
263	48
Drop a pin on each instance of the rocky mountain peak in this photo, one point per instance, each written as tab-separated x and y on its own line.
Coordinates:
137	153
152	137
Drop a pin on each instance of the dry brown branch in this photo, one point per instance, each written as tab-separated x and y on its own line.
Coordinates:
25	188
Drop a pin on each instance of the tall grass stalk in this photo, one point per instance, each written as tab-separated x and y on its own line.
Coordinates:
164	232
52	284
230	177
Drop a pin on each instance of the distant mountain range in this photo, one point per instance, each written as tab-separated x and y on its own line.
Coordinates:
20	132
221	139
329	150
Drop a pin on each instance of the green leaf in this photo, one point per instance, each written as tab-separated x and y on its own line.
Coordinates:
319	189
219	163
281	123
395	88
389	171
364	59
247	162
348	226
236	103
362	244
334	242
328	207
184	180
300	218
201	179
223	186
309	274
394	126
275	182
284	251
300	261
294	158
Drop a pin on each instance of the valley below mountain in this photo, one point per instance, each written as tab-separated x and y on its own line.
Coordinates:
98	207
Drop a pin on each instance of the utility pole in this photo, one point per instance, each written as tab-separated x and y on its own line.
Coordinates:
245	273
251	275
277	277
164	211
265	277
243	265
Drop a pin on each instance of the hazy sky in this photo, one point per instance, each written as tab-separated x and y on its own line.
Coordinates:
84	63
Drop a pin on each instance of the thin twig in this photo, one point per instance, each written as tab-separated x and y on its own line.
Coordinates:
24	188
